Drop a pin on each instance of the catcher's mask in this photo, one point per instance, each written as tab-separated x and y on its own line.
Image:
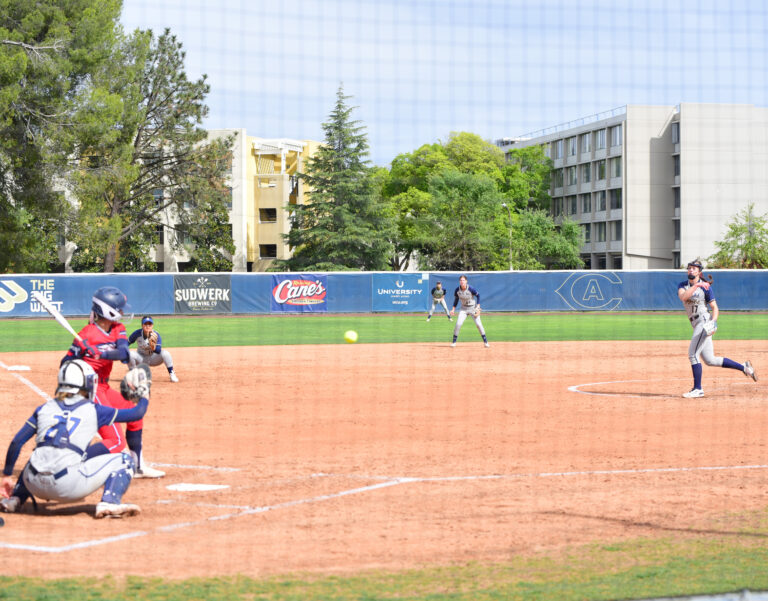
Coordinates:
76	377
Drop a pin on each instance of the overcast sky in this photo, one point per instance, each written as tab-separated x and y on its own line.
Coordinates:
420	69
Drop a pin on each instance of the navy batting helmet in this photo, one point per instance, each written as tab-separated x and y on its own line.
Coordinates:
109	302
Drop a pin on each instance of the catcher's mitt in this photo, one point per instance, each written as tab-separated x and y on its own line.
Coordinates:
135	384
152	341
477	311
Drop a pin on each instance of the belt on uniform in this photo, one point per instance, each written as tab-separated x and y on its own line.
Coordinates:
56	476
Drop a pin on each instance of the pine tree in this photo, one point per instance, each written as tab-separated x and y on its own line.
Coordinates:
345	225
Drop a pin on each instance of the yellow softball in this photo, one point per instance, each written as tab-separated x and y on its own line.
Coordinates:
350	336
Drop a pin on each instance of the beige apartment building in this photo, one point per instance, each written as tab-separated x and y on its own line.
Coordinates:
264	181
654	187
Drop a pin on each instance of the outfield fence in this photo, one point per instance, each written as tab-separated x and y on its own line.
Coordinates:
366	292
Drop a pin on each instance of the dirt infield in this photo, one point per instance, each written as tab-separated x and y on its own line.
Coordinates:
354	457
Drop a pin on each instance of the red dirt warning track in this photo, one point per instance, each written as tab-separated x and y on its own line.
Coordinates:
343	458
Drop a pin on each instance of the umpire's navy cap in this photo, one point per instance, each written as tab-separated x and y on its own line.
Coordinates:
147	319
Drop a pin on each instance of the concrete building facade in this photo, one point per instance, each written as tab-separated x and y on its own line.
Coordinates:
654	187
264	182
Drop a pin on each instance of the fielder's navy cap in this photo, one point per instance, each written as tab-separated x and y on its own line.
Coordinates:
146	319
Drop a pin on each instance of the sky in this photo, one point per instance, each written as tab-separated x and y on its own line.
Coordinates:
417	70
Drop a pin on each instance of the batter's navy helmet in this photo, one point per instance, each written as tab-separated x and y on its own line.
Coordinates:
110	302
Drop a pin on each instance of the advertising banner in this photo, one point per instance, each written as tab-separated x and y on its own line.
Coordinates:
399	292
202	294
300	292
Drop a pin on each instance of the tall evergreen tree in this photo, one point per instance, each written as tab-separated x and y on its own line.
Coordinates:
345	225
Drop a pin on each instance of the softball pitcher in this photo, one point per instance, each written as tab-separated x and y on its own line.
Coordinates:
438	298
470	305
149	348
698	298
65	466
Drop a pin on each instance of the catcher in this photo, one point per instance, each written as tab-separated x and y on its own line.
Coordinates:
149	348
470	305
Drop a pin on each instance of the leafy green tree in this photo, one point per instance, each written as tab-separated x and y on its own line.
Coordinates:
745	245
48	50
526	178
537	243
143	159
345	225
468	231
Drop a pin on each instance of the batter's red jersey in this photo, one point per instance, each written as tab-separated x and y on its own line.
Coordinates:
96	338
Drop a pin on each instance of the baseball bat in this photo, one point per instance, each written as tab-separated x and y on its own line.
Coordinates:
46	304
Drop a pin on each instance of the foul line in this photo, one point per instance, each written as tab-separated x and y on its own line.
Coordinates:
247	510
23	380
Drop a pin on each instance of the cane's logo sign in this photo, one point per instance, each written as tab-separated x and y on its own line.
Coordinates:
299	292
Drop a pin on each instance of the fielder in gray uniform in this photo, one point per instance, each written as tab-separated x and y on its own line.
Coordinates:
698	298
63	466
438	298
470	305
149	348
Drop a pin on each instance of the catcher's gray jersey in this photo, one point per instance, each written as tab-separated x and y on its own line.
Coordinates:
63	434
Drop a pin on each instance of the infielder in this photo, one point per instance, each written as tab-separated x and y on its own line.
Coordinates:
64	465
149	349
697	297
105	341
470	305
438	298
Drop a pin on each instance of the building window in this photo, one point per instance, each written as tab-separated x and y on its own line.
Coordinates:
267	251
572	204
229	198
557	206
676	193
587	261
676	133
615	198
586	142
557	149
600	200
268	215
600	169
586	228
557	178
601	262
160	231
586	204
616	135
677	230
572	146
600	139
616	167
616	230
676	261
676	160
616	261
572	177
600	232
586	173
157	196
182	234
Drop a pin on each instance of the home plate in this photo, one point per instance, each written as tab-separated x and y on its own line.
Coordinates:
18	368
184	487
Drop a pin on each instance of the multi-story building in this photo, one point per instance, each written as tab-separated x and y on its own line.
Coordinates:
264	182
654	187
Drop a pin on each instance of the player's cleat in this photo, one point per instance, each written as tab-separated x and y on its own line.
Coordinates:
749	371
148	472
115	510
453	344
450	318
428	318
695	393
10	504
174	377
486	344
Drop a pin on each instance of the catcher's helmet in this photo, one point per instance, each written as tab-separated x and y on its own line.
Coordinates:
78	378
109	302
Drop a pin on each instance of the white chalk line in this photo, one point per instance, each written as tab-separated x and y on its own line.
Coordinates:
32	386
241	511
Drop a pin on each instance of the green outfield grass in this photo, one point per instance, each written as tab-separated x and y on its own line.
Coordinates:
46	334
724	560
